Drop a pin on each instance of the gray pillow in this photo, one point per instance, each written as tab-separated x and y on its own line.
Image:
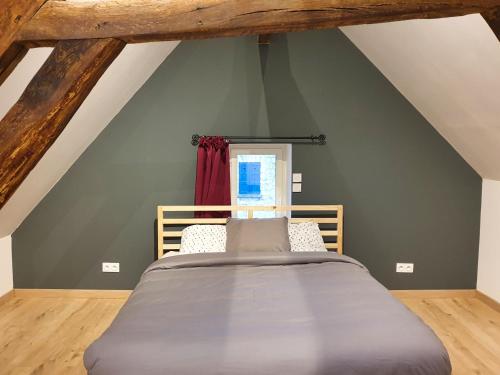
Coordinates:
257	235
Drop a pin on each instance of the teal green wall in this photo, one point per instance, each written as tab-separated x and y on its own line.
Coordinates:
408	196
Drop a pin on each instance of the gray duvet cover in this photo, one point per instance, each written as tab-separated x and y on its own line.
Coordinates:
264	313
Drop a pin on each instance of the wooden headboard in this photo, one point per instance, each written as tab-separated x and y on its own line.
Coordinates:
329	218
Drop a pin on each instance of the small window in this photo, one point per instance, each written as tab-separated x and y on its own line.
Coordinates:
249	178
260	176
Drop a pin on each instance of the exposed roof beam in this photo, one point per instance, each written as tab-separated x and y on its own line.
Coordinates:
493	19
47	105
154	20
14	14
9	60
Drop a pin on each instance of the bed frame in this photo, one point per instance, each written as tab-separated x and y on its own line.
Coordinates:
169	232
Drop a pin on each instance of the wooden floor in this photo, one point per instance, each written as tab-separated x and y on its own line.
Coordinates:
49	335
469	329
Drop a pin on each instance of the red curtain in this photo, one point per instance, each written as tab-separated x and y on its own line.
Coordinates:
212	175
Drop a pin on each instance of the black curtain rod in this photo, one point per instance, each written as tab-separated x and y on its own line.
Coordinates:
311	140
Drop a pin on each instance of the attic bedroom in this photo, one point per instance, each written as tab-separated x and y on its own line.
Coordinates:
246	187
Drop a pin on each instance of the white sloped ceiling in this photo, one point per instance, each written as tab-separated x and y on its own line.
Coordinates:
120	82
449	69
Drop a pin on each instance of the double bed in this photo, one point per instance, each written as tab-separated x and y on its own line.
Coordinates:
265	312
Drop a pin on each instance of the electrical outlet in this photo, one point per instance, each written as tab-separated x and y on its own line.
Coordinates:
110	267
404	267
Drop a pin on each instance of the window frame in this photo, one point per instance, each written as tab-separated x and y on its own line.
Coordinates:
283	153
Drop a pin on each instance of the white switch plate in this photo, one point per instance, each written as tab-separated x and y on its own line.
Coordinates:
296	177
296	188
110	267
404	267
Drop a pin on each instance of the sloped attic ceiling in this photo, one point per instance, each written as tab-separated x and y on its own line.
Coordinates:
449	69
120	82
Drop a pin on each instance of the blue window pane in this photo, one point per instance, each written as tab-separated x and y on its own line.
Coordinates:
266	180
249	179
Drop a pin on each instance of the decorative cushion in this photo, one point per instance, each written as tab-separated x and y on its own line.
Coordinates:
257	235
306	237
203	239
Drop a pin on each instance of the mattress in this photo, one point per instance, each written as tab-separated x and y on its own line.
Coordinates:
264	313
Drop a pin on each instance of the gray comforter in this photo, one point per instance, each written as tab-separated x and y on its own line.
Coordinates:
264	313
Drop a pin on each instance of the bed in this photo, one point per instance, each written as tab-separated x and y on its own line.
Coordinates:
296	313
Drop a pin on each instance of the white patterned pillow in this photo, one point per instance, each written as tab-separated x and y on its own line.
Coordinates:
203	239
305	237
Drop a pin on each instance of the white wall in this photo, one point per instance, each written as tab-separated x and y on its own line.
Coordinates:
488	278
448	69
6	283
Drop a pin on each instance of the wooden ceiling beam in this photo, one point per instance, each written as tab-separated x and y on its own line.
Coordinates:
493	19
48	103
9	60
14	14
155	20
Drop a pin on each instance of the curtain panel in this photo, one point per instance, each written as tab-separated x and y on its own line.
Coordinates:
212	176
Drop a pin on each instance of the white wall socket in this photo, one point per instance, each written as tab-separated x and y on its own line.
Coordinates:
404	267
110	267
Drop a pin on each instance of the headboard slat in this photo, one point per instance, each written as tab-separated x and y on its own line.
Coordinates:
165	218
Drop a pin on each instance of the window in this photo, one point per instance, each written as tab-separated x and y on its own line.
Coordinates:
260	176
249	178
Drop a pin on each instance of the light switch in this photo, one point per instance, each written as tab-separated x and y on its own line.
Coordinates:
296	177
296	188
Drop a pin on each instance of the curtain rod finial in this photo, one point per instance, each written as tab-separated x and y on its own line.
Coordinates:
195	139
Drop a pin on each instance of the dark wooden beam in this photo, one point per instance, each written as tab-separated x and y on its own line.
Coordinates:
493	19
154	20
11	57
14	14
47	105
